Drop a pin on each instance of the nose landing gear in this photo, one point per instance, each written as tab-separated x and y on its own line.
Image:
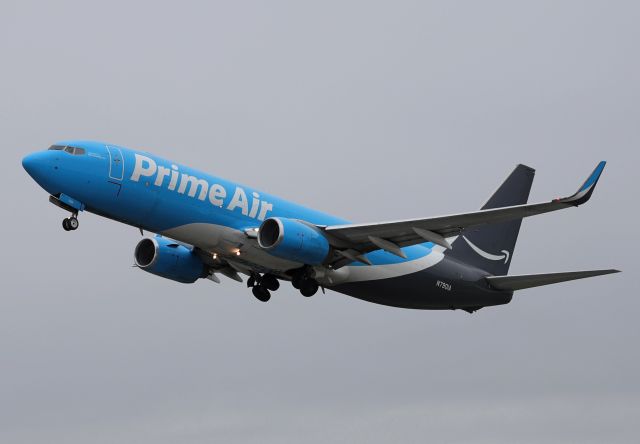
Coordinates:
70	223
71	205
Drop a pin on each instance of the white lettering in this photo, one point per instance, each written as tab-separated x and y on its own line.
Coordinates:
141	170
194	183
266	207
217	193
162	173
195	187
443	285
174	177
239	200
255	204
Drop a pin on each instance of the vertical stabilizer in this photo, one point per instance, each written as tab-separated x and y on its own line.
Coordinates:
490	247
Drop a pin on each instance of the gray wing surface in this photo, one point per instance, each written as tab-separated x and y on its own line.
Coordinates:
355	240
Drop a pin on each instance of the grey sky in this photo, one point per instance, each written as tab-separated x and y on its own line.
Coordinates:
368	110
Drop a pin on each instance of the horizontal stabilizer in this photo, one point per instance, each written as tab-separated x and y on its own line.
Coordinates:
520	282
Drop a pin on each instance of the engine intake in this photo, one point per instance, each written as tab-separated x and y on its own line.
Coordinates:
168	259
293	240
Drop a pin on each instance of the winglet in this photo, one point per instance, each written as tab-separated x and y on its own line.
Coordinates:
584	192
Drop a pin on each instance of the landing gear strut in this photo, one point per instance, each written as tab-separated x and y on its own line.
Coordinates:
262	285
70	223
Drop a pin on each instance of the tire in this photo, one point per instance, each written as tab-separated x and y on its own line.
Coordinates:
251	282
65	224
261	293
73	223
270	282
297	281
309	288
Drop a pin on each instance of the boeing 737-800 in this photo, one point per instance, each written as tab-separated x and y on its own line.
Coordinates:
208	227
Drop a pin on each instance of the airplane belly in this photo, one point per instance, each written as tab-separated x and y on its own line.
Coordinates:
227	242
440	287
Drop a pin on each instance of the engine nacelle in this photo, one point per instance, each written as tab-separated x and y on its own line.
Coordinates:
293	240
168	259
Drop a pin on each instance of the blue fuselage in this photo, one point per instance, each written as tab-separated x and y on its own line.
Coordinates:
217	216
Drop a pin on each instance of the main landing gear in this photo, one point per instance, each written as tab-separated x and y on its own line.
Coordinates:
262	285
70	223
305	283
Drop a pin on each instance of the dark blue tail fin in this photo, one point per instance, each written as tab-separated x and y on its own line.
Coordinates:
490	247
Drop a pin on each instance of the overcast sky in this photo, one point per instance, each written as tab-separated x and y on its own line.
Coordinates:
368	110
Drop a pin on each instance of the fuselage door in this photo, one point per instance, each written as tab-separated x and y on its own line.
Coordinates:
116	163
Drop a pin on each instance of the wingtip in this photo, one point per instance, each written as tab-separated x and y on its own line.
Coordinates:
593	177
584	192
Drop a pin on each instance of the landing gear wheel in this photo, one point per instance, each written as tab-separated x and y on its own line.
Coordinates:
73	223
309	287
251	282
270	282
261	293
70	223
297	280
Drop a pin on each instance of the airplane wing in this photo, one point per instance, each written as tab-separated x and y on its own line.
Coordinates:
353	241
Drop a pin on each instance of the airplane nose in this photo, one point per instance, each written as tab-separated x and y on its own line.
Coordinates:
38	165
29	163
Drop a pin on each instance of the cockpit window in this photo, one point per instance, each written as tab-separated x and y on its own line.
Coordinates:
69	149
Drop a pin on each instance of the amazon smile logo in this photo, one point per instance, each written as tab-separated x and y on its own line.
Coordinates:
492	257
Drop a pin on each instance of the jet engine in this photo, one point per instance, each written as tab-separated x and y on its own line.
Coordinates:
293	240
168	259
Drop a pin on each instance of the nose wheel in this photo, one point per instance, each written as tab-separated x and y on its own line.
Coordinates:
70	223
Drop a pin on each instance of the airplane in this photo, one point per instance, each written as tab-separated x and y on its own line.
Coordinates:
207	227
